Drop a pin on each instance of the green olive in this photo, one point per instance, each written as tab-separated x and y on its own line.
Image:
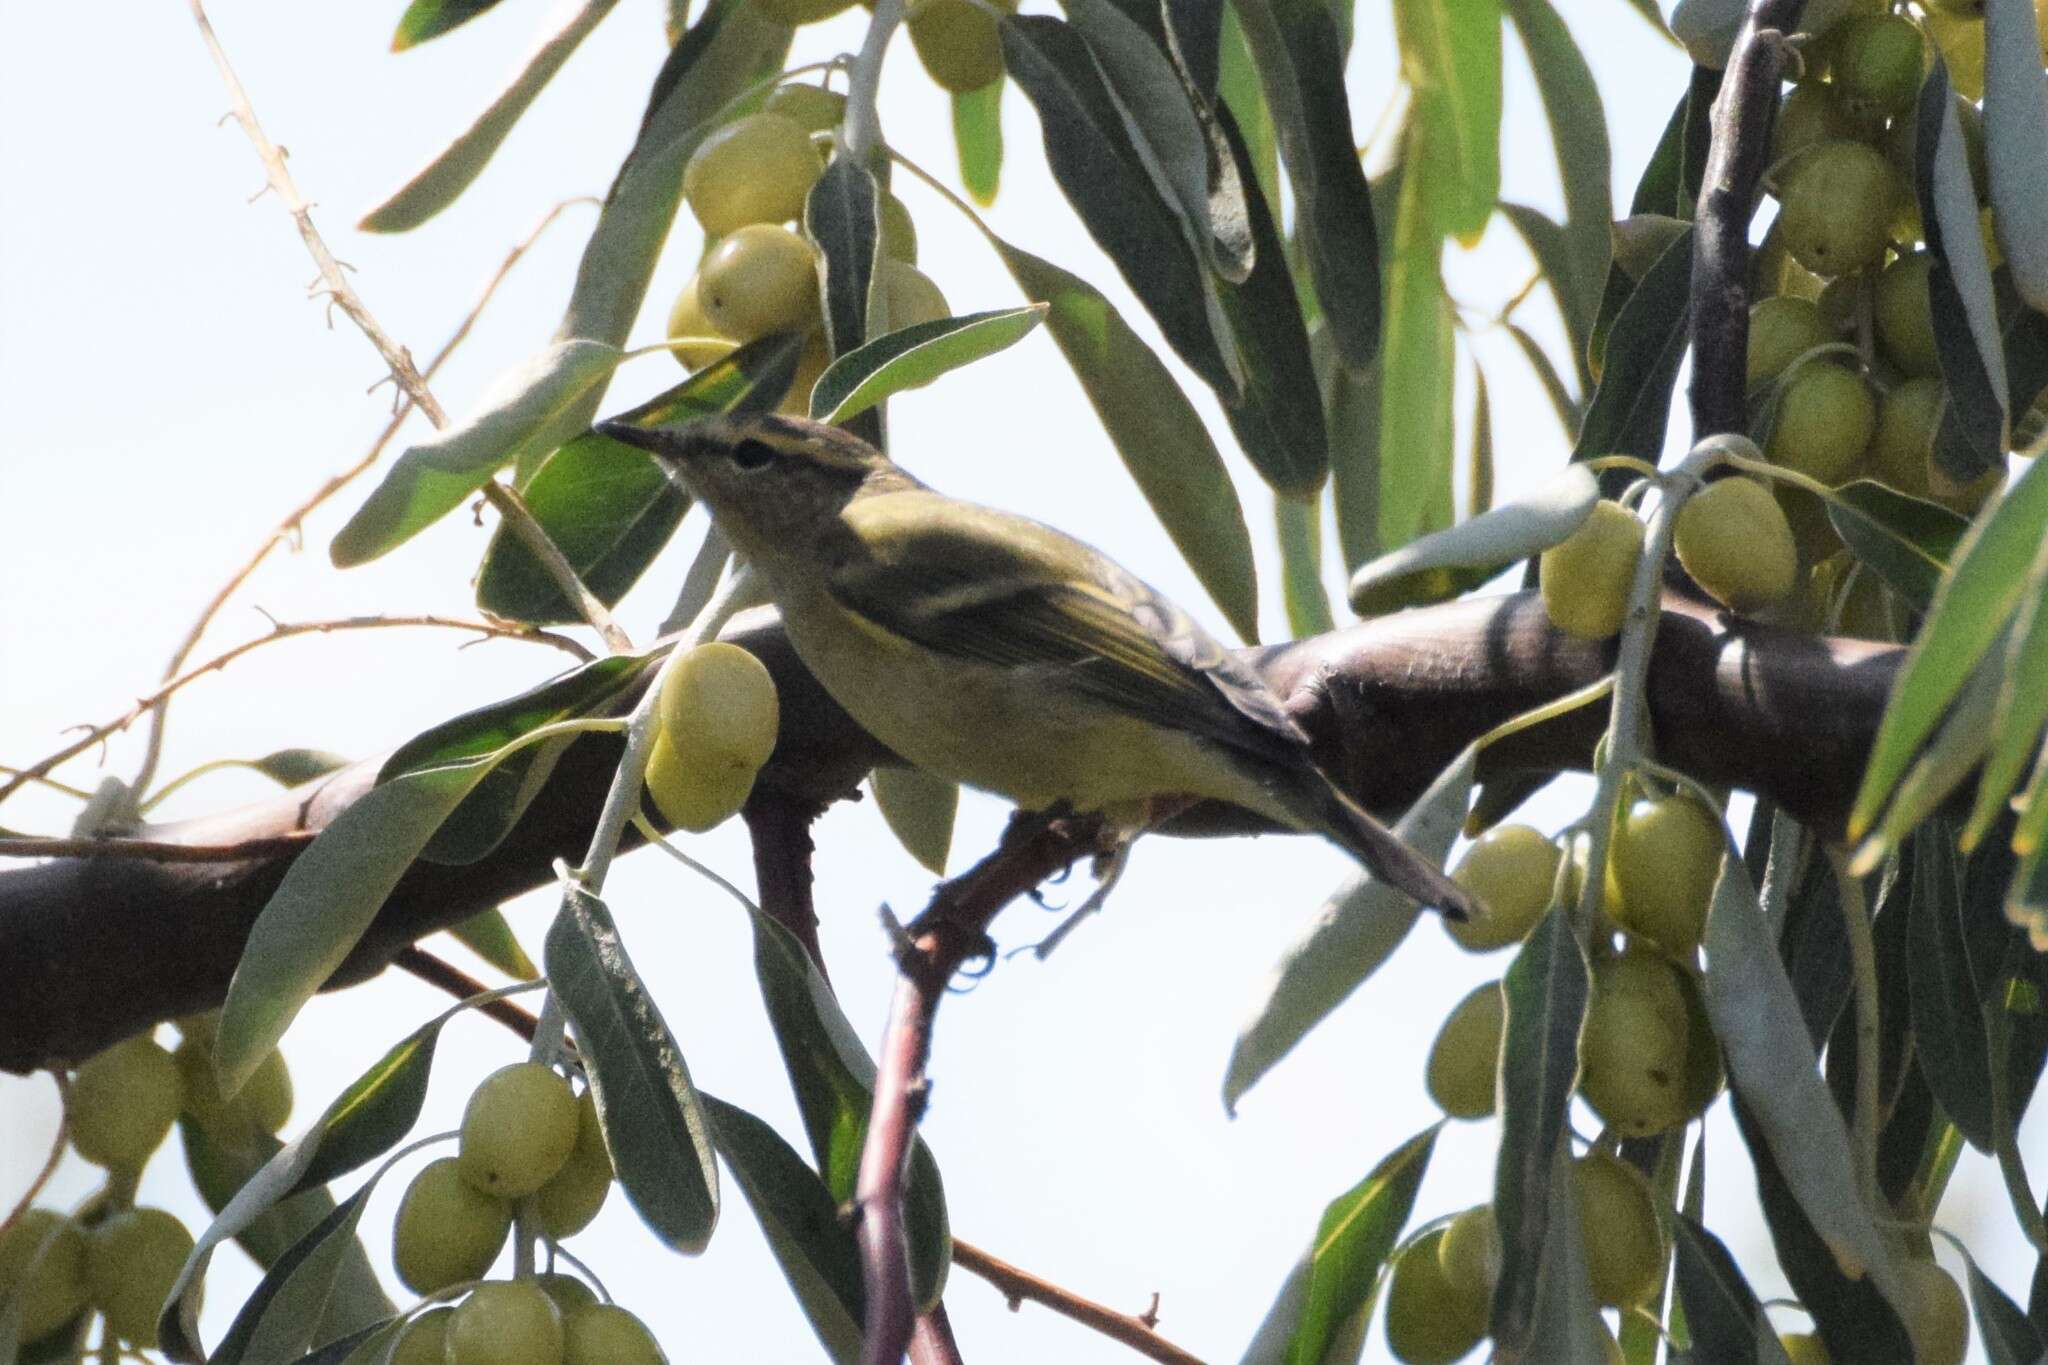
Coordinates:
1633	1049
1878	63
1510	870
1469	1256
1732	537
1586	579
264	1102
42	1271
574	1194
1624	1246
1811	114
756	169
1907	421
1667	857
687	319
1804	1348
447	1231
796	13
813	107
131	1261
760	279
1427	1321
1904	314
912	296
605	1334
1936	1314
122	1103
694	797
568	1292
899	235
1837	205
811	362
957	41
1465	1057
424	1340
1824	420
1781	329
505	1323
518	1129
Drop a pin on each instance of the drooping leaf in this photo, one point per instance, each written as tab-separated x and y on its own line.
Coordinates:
1454	561
1236	88
978	135
2021	709
1948	1015
1578	133
490	937
1417	366
1356	930
919	809
654	1123
533	408
1450	59
1297	48
425	19
1722	1313
1479	471
914	356
436	185
2016	143
1160	437
1354	421
1632	406
2009	1337
1356	1232
1298	527
1103	177
1907	541
280	1319
1578	302
843	216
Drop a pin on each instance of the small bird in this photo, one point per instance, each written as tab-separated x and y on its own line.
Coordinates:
998	652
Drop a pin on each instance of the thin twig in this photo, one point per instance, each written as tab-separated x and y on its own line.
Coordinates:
288	528
283	631
155	851
952	930
396	358
1019	1286
446	976
50	1162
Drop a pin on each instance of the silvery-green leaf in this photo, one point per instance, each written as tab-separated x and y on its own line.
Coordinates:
2016	142
1473	551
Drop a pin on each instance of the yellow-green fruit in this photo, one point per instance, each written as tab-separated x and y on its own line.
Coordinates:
811	107
1466	1054
424	1340
718	705
899	234
604	1334
756	169
1936	1315
1469	1256
690	797
687	319
1633	1050
447	1231
1960	40
1825	416
1837	205
1586	579
1804	1348
1704	1072
264	1101
1905	316
1877	66
1667	857
798	12
568	1292
1732	537
1624	1247
1781	329
912	296
131	1262
1425	1324
1812	114
48	1290
1907	421
1902	146
518	1129
1510	870
574	1194
760	278
811	362
957	42
505	1323
122	1103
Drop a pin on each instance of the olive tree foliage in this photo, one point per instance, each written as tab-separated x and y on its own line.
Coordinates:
1863	986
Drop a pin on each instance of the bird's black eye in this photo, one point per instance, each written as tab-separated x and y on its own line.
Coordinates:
751	454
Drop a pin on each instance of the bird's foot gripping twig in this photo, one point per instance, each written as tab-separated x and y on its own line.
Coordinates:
952	930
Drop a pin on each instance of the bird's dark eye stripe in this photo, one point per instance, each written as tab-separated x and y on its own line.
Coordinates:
752	454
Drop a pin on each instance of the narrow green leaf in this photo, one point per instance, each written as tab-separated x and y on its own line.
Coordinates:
919	809
1578	132
490	937
1632	406
1721	1310
279	1319
1969	614
1160	437
1907	541
1472	552
1417	364
978	136
487	729
2022	707
1567	408
843	216
1450	58
1089	149
1948	1015
1356	930
1578	302
1479	473
1298	525
914	356
532	409
1237	89
1354	421
1658	189
2009	1338
1298	50
291	767
2016	143
425	19
609	509
436	185
654	1124
1546	988
1356	1232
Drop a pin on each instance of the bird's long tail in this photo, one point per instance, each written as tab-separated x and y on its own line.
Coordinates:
1320	805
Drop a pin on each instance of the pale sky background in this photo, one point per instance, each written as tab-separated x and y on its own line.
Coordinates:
167	392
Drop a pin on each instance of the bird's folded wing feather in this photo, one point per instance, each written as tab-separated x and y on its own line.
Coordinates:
1001	590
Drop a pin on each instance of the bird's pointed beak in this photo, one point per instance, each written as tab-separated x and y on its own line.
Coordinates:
654	442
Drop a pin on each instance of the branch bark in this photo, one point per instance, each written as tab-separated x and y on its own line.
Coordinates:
102	947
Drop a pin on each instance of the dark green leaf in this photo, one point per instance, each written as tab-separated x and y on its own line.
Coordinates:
843	216
1907	541
1632	406
1450	58
1298	526
341	1349
1161	438
914	356
1721	1310
1948	1015
1578	302
283	1317
2021	709
290	767
978	134
1546	989
1354	422
2009	1338
609	508
1102	175
1279	424
424	19
654	1124
1353	1238
1418	365
1297	47
476	734
2015	142
1658	189
490	937
1561	401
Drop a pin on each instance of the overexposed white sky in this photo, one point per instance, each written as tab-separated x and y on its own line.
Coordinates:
167	391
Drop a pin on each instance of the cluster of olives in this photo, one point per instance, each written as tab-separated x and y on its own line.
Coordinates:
717	718
526	1136
955	39
759	275
118	1261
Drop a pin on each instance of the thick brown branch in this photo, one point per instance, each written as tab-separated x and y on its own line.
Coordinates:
101	947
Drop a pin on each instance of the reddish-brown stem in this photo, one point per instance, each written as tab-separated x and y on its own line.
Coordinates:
1137	1331
952	930
50	1163
446	976
779	826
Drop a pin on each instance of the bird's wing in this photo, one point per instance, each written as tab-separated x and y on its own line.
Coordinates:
998	589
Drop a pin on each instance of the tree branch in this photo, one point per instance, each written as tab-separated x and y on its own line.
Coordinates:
1140	1333
119	944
